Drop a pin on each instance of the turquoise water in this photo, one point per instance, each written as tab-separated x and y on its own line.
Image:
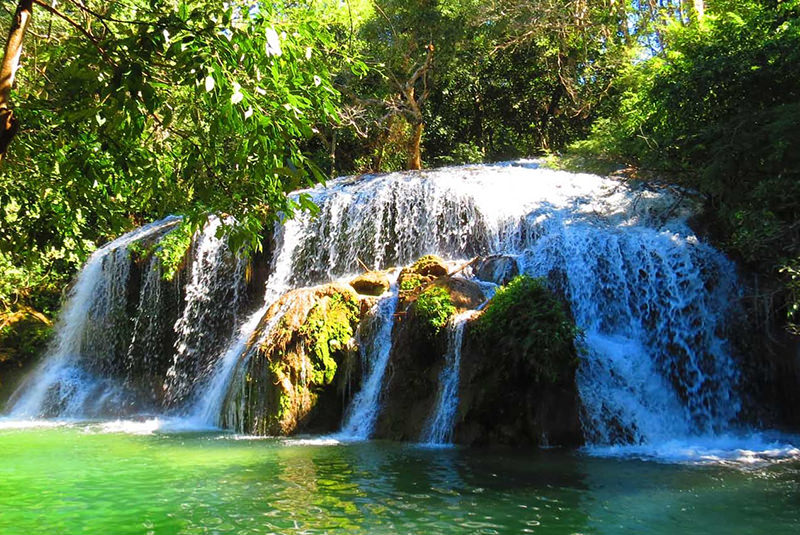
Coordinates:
95	479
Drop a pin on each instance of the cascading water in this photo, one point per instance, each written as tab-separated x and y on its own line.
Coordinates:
439	429
210	313
653	301
63	384
653	305
363	411
210	399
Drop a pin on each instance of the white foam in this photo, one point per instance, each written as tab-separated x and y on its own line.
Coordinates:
754	449
14	424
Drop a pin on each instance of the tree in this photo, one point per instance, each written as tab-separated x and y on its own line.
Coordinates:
8	70
406	43
129	111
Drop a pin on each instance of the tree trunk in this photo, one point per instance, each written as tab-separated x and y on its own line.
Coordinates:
8	69
414	155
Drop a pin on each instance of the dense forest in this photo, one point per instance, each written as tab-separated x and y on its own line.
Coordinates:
113	114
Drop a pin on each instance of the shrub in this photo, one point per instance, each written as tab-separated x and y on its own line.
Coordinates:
434	307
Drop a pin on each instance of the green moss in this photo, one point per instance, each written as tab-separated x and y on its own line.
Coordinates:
284	401
424	265
434	307
411	282
526	322
328	328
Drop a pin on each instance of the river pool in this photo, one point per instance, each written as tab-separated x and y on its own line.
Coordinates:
129	478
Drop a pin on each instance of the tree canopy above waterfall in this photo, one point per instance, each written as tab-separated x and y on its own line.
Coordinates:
115	114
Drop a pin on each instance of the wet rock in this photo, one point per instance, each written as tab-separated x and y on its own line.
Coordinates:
422	272
464	294
299	362
372	283
499	269
518	365
419	345
412	378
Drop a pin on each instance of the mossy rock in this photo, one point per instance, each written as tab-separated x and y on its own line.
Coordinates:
412	279
430	266
519	360
419	345
371	283
293	371
24	334
464	294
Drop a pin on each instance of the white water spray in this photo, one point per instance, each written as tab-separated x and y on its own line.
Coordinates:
439	429
363	411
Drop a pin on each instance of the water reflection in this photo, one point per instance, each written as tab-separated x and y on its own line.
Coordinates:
65	480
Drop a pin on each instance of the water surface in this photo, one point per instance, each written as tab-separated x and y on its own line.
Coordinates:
124	478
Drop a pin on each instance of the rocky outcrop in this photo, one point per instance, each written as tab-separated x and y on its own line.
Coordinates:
518	372
300	362
419	344
372	283
416	277
499	269
518	363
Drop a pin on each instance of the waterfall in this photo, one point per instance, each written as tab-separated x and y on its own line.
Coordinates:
63	383
653	305
210	313
439	429
653	301
375	349
210	399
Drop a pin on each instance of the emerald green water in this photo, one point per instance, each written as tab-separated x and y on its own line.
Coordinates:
84	479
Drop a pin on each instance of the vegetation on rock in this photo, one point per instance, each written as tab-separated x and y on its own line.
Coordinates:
296	364
518	371
328	329
435	308
529	326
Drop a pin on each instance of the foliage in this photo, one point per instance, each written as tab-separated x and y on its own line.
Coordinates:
530	77
134	110
507	78
328	329
718	111
526	322
434	308
411	282
23	335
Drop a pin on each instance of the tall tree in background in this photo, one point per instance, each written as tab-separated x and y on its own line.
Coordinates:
8	70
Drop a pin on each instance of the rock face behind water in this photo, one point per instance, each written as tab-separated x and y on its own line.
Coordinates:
300	361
